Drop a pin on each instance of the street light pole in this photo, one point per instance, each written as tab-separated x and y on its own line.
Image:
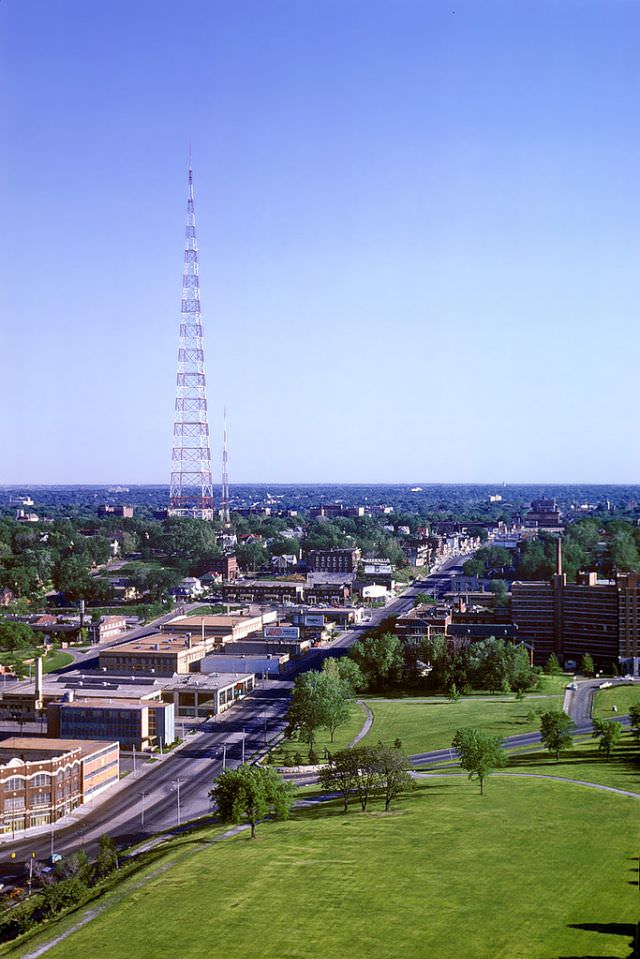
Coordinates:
224	756
144	796
243	739
177	782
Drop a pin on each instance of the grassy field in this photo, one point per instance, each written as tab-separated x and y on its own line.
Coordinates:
620	696
283	755
587	763
207	610
533	870
55	660
428	724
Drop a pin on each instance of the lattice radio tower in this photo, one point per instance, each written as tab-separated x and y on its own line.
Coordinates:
225	512
191	488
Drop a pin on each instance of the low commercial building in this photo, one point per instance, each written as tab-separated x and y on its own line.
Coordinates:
160	654
205	694
42	780
132	722
107	628
270	664
215	631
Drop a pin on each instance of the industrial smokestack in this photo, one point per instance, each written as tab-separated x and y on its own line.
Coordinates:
39	683
559	556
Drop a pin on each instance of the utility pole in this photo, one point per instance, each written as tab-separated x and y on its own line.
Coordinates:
243	739
177	783
224	756
144	796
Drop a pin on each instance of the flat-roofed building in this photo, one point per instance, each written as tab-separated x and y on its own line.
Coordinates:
216	630
42	780
333	560
132	722
160	654
573	619
200	695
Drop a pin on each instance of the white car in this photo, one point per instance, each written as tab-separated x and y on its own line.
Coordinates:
571	686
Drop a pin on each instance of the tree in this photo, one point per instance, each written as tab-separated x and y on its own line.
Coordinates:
479	753
307	712
634	720
498	588
347	671
608	731
250	792
587	667
379	658
15	636
392	771
552	666
423	599
473	567
556	730
335	694
107	859
340	774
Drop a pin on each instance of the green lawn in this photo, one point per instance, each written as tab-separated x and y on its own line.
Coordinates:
283	755
533	870
207	610
587	763
432	723
57	660
620	696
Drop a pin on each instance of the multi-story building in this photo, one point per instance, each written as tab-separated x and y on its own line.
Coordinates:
544	514
107	627
42	780
125	512
225	567
160	654
131	722
333	560
572	619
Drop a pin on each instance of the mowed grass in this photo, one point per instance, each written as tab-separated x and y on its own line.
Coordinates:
585	762
431	724
618	695
283	755
534	869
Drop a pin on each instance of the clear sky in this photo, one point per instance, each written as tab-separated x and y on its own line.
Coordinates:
419	230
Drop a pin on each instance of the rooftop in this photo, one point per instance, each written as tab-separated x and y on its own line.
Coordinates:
36	748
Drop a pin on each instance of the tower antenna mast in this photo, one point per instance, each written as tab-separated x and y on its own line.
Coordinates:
226	511
191	488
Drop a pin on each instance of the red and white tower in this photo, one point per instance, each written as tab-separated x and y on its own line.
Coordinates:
191	488
225	512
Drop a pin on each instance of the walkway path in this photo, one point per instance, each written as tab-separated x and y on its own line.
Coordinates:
366	727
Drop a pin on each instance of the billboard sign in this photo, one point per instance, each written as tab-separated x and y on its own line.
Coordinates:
314	619
282	632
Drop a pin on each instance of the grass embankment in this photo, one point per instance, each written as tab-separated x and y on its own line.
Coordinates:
283	755
622	696
585	762
207	610
21	659
423	725
534	869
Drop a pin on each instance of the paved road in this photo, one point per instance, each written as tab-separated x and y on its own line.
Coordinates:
196	764
199	761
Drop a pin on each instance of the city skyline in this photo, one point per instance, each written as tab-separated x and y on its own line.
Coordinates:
418	237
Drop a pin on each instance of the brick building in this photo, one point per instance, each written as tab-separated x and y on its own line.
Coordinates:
42	780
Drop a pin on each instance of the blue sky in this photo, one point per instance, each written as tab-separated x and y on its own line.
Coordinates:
418	223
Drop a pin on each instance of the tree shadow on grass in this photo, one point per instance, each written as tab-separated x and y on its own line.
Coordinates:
627	929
